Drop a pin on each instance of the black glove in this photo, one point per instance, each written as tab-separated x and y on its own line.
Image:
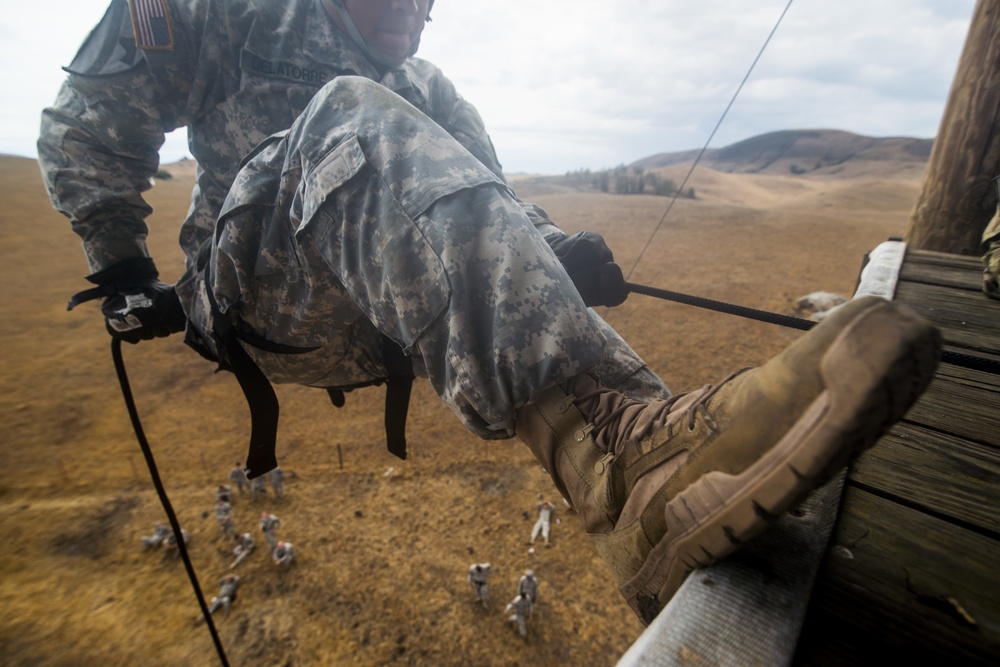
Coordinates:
590	263
136	305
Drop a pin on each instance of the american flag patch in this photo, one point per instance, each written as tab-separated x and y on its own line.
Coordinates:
151	25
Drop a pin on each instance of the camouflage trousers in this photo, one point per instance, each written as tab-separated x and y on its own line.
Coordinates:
366	218
991	258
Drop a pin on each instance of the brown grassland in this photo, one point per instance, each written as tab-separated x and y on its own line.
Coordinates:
383	545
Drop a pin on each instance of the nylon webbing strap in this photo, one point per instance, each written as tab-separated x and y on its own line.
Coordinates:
264	409
397	395
947	356
723	307
133	413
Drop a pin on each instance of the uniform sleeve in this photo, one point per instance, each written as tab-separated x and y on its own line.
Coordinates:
99	142
463	122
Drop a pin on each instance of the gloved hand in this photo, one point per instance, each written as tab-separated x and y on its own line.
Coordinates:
136	305
590	263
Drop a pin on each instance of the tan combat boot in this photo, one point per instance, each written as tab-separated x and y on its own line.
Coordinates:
670	485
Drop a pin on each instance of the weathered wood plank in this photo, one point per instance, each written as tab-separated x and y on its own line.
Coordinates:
943	259
936	473
968	319
900	583
969	306
944	275
962	403
979	380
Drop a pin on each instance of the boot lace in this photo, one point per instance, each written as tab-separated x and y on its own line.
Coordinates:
611	432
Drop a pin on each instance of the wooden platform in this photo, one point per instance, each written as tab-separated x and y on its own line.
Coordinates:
912	570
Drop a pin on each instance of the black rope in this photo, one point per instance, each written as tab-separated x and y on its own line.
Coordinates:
116	353
947	356
722	307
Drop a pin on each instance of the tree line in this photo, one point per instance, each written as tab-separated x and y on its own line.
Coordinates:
624	180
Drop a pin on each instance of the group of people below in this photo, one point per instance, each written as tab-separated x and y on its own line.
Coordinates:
522	606
258	485
282	552
165	539
517	610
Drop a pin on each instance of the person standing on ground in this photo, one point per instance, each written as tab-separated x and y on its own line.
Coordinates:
479	579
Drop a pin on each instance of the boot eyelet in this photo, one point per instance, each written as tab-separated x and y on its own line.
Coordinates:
562	407
579	435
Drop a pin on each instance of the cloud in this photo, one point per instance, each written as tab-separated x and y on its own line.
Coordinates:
566	84
629	78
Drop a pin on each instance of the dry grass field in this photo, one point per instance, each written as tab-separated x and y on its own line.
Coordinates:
383	544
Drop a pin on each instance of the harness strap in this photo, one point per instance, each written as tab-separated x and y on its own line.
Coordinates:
984	364
398	385
259	394
263	402
397	395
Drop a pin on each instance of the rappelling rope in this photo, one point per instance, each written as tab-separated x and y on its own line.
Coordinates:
116	354
973	362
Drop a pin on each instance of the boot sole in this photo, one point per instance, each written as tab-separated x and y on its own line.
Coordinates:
869	387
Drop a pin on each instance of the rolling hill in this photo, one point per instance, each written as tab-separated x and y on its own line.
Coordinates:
802	152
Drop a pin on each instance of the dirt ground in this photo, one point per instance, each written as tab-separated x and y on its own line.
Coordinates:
383	545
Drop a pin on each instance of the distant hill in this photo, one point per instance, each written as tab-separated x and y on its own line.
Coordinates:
801	152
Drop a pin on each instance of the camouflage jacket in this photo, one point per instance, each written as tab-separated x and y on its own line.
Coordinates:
991	258
233	72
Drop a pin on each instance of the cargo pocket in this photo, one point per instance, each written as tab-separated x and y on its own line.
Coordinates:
373	246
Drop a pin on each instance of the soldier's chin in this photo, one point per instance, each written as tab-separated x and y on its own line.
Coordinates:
393	44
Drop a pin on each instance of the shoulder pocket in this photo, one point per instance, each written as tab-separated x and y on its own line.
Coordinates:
110	48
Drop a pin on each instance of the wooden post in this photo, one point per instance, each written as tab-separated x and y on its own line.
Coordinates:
958	198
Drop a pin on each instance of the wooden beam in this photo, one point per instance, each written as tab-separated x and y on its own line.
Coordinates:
958	198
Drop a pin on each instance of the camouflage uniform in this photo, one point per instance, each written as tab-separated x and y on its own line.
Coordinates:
521	608
269	525
224	493
528	587
160	532
544	522
991	259
283	555
239	477
224	515
479	579
170	543
228	586
277	479
383	210
258	487
244	545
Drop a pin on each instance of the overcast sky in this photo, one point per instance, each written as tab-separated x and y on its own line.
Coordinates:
569	84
